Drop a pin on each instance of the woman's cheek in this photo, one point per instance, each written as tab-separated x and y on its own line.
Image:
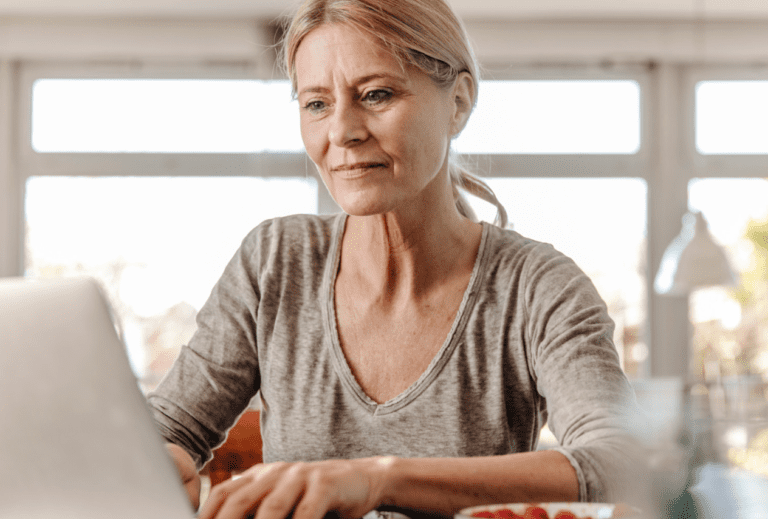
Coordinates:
311	136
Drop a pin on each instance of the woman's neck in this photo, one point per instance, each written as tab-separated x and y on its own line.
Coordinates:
396	255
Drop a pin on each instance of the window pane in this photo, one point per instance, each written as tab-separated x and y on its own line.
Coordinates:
152	115
731	324
157	244
227	116
732	117
601	224
554	117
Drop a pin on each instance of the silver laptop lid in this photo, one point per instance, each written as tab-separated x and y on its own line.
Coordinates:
76	437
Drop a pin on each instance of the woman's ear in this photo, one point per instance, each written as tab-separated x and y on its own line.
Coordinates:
463	92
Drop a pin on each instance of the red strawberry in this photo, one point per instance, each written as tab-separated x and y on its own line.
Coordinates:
484	513
506	513
565	514
535	512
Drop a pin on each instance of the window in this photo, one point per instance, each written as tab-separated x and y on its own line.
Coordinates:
158	245
546	116
176	132
732	117
164	116
731	323
229	116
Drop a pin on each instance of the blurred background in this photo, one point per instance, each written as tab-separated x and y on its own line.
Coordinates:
140	141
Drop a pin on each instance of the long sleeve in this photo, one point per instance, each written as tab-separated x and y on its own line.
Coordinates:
590	404
217	373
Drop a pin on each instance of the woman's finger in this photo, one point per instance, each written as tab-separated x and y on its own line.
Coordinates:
308	490
249	489
218	496
284	497
315	503
338	486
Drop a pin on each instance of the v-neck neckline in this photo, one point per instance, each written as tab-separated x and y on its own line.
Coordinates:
438	361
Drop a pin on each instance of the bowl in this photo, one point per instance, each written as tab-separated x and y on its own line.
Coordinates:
578	511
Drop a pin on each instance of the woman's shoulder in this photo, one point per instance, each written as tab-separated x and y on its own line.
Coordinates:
295	231
510	247
537	267
284	247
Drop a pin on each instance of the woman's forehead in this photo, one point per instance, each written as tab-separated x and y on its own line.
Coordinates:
344	51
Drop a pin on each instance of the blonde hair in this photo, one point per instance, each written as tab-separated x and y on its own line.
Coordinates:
423	33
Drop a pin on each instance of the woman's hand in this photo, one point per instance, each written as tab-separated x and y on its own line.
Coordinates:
187	472
351	488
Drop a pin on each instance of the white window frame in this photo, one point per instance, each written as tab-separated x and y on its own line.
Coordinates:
680	162
152	164
33	163
568	165
723	165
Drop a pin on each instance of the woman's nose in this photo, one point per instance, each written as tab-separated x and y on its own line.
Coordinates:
347	126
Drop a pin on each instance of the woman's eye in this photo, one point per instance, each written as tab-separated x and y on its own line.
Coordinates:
377	96
314	106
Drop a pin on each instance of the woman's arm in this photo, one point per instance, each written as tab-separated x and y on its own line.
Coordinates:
446	485
591	406
354	487
215	376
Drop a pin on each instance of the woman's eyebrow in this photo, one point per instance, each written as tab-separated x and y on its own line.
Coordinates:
314	90
373	77
359	81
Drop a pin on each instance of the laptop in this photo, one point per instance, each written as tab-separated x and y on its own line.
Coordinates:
76	437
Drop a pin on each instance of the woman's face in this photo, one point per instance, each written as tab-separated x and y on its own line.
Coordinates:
378	133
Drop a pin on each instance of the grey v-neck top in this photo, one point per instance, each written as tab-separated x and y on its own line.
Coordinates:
531	343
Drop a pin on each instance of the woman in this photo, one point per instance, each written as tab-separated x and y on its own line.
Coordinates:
407	356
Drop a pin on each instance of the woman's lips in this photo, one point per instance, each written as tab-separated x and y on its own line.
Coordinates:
358	165
357	169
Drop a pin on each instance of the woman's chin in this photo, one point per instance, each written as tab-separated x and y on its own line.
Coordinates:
363	206
356	211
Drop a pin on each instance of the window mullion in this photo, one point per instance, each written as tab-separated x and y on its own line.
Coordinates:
11	208
669	333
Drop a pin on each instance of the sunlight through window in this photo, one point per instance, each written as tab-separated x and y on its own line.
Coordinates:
157	244
554	117
732	117
248	116
171	116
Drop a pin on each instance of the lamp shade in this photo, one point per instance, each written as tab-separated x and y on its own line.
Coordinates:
693	260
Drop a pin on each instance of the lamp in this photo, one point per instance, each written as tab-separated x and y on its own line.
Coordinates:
693	260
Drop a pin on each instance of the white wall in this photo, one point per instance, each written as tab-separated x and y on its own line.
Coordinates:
579	40
468	9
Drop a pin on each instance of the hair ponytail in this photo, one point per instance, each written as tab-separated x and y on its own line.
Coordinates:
462	180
